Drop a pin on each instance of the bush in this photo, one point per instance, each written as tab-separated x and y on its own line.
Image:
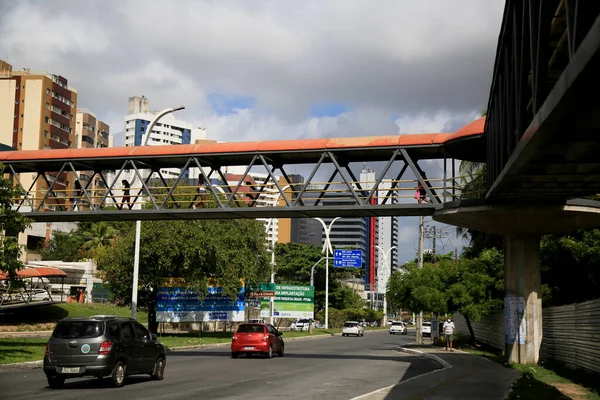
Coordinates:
338	317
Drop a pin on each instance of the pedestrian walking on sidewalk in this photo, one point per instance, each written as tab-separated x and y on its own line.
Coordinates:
449	330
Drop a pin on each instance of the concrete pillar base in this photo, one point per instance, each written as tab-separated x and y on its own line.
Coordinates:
523	301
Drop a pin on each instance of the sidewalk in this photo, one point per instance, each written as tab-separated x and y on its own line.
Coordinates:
462	376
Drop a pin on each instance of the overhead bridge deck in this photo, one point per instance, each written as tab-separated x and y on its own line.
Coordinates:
58	185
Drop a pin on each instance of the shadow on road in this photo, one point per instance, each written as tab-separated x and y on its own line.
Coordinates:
96	383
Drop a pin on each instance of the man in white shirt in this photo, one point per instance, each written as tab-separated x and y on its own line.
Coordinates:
449	330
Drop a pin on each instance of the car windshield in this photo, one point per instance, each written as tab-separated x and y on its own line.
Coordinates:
303	321
78	329
426	323
251	329
350	324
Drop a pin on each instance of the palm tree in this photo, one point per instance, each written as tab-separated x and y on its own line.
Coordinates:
100	234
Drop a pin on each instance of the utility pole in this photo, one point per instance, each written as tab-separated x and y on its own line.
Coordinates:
420	262
432	233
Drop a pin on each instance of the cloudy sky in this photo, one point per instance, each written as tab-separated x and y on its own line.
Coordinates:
253	70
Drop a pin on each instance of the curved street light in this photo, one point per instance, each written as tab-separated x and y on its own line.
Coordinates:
138	223
387	268
270	226
327	248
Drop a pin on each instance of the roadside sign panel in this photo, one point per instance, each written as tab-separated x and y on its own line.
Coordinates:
260	290
291	301
180	304
347	258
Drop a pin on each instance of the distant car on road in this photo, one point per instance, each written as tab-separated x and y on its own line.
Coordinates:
102	345
353	328
257	339
398	327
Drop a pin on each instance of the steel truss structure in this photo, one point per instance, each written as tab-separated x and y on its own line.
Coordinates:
542	123
218	194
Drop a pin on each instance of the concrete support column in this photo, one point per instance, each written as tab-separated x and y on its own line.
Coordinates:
523	301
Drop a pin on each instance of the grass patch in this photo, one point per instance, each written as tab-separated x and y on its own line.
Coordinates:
543	383
195	338
550	381
20	350
44	317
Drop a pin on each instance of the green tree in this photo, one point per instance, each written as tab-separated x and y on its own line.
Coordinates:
472	286
224	251
570	267
417	288
99	234
476	286
64	246
11	224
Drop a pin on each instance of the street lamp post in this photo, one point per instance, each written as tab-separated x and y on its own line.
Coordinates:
270	226
387	268
312	283
138	223
327	249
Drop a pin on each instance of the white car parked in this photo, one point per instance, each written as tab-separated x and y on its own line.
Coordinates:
398	327
353	328
300	325
426	328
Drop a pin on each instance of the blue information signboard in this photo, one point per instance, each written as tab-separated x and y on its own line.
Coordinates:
347	258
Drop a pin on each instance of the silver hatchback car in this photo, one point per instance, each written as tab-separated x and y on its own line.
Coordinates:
102	346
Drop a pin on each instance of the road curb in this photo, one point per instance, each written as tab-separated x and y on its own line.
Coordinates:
25	334
439	360
22	365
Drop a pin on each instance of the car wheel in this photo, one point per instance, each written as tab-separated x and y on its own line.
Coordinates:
234	355
118	374
159	369
281	351
56	382
269	353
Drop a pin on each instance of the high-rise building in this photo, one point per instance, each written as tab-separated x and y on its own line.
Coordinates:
169	130
90	132
37	112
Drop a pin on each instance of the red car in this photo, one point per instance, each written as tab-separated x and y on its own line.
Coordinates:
257	338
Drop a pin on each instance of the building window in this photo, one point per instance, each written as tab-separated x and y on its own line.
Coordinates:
47	91
20	129
46	119
45	133
21	115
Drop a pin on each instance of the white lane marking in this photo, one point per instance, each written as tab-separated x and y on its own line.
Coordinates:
444	367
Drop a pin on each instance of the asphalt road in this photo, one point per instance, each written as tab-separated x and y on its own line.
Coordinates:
330	368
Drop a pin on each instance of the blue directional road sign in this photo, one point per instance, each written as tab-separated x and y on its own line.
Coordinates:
347	258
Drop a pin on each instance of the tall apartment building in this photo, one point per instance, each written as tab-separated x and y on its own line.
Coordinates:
91	133
168	131
37	112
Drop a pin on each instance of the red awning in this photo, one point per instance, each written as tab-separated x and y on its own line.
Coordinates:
37	272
